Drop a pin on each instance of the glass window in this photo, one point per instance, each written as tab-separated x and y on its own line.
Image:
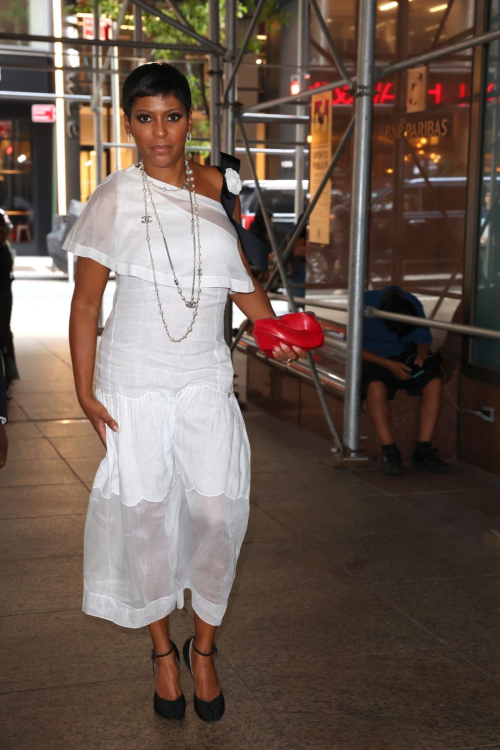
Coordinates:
487	309
15	175
432	23
14	17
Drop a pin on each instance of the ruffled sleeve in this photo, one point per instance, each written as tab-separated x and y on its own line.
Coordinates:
93	235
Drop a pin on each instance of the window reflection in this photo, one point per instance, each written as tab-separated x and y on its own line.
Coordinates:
487	312
15	177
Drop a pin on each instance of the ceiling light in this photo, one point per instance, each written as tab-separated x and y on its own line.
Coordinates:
389	171
388	6
309	138
262	37
258	61
21	158
437	8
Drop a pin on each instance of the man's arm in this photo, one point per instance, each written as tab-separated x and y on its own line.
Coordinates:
423	351
398	369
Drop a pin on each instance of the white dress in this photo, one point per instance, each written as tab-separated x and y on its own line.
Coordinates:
169	504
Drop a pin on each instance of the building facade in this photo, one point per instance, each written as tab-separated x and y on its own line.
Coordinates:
434	214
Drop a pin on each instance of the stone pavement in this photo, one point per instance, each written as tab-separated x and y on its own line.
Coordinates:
364	615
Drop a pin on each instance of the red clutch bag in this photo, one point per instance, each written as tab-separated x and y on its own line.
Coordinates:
294	329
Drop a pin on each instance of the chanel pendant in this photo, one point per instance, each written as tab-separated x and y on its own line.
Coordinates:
191	304
146	219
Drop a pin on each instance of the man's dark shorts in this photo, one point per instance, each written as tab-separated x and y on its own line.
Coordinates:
372	372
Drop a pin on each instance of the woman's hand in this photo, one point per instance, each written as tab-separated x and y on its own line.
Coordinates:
282	353
99	417
4	446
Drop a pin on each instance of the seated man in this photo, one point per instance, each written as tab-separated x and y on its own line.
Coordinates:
397	355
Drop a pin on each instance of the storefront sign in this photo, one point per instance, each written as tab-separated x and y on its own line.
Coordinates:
5	128
105	26
447	92
418	129
416	93
320	157
43	112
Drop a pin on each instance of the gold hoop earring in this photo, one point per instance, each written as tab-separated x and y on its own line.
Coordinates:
188	137
130	137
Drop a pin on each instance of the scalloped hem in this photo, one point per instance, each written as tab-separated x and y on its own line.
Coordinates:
174	431
126	616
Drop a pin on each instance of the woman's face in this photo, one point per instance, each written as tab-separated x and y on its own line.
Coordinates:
159	126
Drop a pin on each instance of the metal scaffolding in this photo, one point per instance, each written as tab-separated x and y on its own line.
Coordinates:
226	113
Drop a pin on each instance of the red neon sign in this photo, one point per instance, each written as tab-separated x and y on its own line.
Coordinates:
437	93
384	93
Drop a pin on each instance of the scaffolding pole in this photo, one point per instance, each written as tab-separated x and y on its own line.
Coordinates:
303	23
230	123
115	97
215	74
360	202
96	106
305	218
229	67
286	284
243	49
208	44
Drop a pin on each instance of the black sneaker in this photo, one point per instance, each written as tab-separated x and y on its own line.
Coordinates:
426	457
391	459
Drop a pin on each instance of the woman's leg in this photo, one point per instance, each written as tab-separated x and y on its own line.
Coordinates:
206	683
167	683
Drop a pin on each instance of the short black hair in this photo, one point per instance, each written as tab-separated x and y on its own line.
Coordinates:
155	79
394	302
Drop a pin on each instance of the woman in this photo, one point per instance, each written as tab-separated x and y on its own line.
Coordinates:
169	505
6	337
4	443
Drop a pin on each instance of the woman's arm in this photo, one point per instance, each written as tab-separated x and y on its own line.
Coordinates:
256	305
90	281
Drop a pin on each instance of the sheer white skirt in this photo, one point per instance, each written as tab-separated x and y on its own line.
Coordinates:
169	504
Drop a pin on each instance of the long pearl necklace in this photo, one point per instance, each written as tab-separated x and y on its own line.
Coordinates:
188	185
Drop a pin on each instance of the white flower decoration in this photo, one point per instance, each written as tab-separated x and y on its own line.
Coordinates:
233	181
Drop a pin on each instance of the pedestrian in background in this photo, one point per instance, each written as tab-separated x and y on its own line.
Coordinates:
6	277
4	445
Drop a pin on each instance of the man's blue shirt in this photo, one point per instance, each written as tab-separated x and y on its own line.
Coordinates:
376	336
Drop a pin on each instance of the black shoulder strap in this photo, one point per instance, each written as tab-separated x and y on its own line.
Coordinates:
256	251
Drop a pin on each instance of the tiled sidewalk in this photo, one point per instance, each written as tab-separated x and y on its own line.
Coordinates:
364	616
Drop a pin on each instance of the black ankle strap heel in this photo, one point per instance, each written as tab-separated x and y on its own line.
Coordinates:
209	711
173	710
213	651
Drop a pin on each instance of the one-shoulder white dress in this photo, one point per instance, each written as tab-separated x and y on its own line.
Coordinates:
169	504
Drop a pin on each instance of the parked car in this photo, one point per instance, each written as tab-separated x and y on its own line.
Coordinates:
279	199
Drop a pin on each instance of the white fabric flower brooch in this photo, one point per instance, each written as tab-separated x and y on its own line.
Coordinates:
233	181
